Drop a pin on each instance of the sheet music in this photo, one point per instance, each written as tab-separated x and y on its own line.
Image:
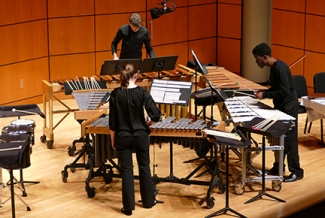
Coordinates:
171	92
245	108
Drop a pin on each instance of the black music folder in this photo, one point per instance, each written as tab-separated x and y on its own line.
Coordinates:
114	66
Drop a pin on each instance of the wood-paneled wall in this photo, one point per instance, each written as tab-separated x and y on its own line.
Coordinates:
59	39
297	29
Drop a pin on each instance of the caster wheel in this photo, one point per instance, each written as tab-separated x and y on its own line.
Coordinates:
72	169
210	202
239	189
49	144
108	179
24	194
28	209
43	138
64	176
276	186
71	150
90	191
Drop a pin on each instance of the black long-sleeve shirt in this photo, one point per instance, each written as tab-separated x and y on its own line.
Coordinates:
282	90
132	42
126	110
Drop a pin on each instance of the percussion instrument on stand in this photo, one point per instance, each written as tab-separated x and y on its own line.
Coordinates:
229	140
26	122
20	127
14	154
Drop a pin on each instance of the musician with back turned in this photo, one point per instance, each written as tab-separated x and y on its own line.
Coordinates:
284	99
133	36
129	132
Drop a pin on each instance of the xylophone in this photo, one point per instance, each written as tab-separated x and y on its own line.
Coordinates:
243	109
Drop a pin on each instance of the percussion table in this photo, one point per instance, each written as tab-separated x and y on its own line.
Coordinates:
315	111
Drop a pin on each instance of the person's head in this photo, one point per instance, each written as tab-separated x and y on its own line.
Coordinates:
261	54
128	72
135	21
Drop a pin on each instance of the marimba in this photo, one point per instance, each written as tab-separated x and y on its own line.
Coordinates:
54	91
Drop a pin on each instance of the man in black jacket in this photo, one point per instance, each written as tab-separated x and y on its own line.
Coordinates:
284	99
133	36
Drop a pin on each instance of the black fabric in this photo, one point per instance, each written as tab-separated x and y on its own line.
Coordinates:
276	130
300	85
126	111
6	111
125	147
202	148
132	42
17	158
282	90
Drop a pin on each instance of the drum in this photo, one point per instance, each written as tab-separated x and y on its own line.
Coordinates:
27	123
23	122
17	130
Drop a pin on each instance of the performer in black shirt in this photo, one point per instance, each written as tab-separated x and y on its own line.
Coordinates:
129	131
133	36
284	99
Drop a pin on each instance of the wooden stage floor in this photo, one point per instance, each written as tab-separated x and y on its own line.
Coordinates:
53	198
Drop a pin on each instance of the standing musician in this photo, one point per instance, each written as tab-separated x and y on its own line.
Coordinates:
133	36
129	131
284	99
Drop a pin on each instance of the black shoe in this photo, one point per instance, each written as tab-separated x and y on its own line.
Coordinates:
294	177
126	212
154	203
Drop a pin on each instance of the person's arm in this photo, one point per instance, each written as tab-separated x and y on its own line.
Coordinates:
151	108
148	46
115	42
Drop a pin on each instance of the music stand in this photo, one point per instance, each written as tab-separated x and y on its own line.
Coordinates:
158	64
228	142
171	92
199	68
114	66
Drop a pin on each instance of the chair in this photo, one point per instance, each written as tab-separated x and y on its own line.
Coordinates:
319	87
300	85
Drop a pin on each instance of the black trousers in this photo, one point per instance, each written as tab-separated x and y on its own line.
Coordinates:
125	146
291	139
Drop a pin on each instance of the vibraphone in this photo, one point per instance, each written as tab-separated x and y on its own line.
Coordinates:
101	151
189	134
54	91
243	109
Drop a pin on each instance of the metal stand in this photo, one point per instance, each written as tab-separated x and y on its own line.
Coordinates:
263	178
226	208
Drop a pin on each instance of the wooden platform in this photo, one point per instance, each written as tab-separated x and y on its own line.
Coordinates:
53	198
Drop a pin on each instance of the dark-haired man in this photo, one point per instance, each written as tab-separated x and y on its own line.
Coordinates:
284	99
133	36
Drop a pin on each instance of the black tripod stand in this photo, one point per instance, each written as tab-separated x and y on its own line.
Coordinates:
229	142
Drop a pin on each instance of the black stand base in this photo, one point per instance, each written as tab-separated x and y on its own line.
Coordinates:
225	210
260	196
